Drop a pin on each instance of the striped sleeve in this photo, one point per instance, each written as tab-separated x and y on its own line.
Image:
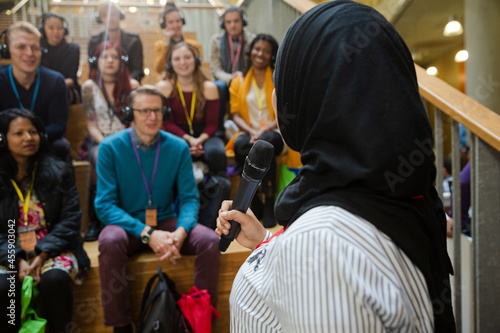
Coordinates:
332	272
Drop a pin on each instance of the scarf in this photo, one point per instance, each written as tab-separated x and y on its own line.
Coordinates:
348	101
225	54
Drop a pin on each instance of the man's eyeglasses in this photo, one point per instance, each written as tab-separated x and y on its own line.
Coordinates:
146	112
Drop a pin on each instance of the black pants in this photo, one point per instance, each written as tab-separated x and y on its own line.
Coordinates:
215	156
242	147
56	298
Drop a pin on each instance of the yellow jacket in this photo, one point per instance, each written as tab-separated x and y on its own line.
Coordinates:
238	98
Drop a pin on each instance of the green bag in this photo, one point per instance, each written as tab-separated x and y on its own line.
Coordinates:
30	322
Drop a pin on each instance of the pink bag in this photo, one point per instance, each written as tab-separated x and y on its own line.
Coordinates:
197	309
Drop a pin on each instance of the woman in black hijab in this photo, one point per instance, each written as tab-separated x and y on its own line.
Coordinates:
364	244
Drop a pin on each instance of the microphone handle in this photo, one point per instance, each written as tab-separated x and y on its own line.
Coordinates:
244	194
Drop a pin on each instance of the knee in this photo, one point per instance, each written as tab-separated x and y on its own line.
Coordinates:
54	280
111	238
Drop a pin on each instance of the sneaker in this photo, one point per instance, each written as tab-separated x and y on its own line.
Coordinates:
92	233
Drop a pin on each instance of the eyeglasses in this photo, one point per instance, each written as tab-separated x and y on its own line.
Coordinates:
147	112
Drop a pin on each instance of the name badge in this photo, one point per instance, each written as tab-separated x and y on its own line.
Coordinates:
151	219
28	239
262	123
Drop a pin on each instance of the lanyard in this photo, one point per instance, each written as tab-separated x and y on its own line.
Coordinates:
37	85
148	187
26	201
234	61
259	93
189	119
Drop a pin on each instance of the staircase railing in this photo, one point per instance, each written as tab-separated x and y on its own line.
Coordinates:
484	127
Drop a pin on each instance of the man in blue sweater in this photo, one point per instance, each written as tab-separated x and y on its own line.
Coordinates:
141	171
27	85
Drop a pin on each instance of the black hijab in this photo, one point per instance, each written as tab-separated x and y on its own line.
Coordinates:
348	101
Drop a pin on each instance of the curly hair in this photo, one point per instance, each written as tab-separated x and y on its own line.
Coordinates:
274	50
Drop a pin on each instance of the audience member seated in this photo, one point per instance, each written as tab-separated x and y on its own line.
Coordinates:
194	101
41	210
253	112
27	85
135	201
110	14
228	56
58	54
171	23
102	95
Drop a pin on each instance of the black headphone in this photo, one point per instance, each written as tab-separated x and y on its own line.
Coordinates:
4	48
48	15
127	113
197	60
244	19
93	61
169	8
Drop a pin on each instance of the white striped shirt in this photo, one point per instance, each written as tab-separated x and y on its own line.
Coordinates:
330	271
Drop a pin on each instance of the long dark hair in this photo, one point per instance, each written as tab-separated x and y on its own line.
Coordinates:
122	84
274	50
49	169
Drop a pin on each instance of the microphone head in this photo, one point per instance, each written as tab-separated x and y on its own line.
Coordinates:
259	159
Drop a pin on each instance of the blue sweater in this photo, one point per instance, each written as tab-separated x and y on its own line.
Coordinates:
121	194
51	103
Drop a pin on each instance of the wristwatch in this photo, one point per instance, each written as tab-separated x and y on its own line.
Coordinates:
147	236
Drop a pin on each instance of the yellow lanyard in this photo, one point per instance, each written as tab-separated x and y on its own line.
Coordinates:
26	201
259	93
193	100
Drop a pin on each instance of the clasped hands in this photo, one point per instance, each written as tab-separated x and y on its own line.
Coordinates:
34	269
167	245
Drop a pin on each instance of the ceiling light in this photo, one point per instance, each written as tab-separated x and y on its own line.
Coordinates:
461	56
132	9
432	71
146	71
163	2
453	28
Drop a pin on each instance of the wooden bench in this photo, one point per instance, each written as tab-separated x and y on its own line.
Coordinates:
88	313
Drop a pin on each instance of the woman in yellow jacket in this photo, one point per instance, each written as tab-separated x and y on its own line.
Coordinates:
252	111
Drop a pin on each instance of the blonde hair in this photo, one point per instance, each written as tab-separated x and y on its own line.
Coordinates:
24	27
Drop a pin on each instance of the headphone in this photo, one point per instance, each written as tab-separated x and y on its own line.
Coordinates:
169	8
197	60
4	48
48	15
94	60
127	113
244	19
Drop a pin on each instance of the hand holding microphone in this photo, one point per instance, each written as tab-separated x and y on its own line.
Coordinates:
256	165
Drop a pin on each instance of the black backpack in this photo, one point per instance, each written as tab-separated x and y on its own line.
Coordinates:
159	310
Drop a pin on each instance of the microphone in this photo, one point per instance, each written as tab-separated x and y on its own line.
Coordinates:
256	165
